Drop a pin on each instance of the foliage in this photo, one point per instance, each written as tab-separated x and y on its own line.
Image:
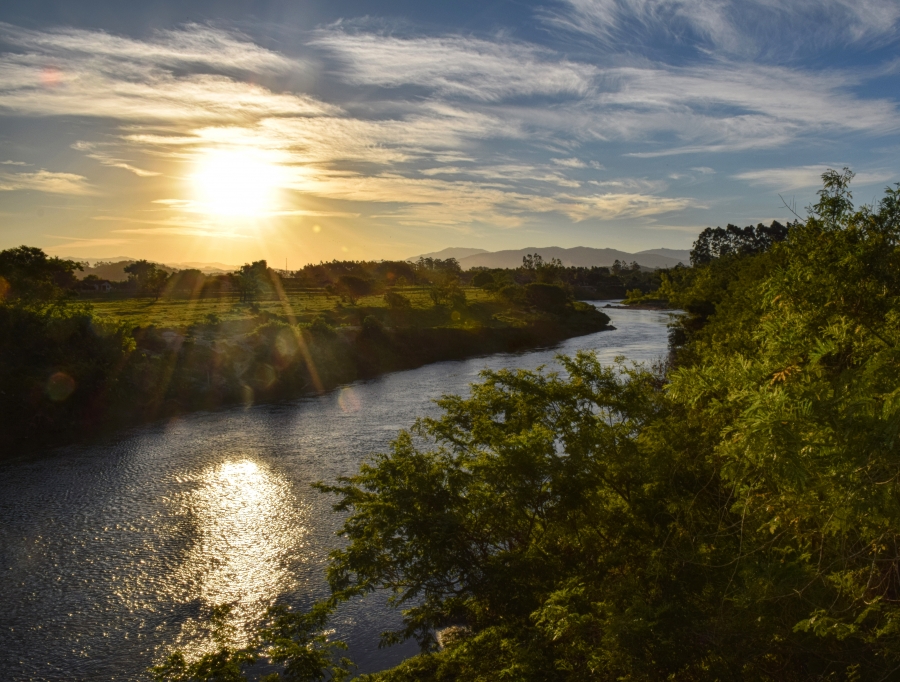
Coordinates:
147	277
354	287
735	518
717	242
29	276
448	293
396	300
255	279
549	297
294	641
59	365
483	279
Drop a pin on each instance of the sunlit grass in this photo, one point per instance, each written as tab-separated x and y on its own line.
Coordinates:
183	312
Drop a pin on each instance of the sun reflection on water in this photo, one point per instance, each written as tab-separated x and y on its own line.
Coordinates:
246	530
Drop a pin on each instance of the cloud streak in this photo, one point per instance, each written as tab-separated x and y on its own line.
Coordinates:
799	177
46	181
749	27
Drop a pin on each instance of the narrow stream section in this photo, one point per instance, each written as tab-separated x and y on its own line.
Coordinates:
111	555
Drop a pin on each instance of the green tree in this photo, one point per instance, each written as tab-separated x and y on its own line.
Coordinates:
147	277
483	279
549	297
354	287
28	275
736	518
254	279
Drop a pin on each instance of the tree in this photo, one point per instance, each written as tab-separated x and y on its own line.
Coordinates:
147	277
354	287
254	279
548	272
736	518
483	279
448	293
549	297
28	275
717	242
532	261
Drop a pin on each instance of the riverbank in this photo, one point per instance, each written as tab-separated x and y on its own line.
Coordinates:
142	518
264	357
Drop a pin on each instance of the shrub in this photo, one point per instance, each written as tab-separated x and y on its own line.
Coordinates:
396	301
512	293
549	297
483	279
320	327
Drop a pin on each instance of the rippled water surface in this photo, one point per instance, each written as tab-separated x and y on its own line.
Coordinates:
112	555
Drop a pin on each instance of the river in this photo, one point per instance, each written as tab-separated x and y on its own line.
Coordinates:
112	554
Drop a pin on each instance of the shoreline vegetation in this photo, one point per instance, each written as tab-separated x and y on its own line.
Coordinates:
80	363
734	515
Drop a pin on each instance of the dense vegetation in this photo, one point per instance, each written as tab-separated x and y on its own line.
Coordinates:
354	279
69	368
734	517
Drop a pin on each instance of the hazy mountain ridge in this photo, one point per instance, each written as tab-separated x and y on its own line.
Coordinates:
113	269
457	252
578	256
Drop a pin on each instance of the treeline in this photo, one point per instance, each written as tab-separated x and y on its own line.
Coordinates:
733	516
67	373
354	279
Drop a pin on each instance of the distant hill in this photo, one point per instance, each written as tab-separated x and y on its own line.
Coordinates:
457	252
683	255
579	256
206	268
114	269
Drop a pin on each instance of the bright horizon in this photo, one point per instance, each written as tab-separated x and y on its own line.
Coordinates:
204	132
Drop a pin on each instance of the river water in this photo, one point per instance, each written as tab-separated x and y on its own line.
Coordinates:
112	554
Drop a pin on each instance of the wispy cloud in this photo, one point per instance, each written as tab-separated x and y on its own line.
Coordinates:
46	181
456	65
570	163
84	242
799	177
738	26
107	160
184	75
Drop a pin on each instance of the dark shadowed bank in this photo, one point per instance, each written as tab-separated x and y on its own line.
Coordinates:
68	374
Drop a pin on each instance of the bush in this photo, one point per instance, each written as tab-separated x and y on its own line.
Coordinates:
483	279
354	287
396	301
512	293
320	327
372	326
549	297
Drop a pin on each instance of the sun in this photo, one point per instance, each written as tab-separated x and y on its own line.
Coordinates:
235	182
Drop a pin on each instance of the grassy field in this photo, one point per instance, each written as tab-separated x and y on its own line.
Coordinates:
302	306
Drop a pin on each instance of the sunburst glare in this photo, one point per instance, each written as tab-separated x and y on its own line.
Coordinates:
235	182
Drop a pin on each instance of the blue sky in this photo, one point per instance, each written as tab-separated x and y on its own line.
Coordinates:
230	131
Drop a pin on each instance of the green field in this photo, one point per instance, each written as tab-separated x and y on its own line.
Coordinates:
142	311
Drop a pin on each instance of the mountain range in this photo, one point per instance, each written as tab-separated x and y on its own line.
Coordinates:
578	256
